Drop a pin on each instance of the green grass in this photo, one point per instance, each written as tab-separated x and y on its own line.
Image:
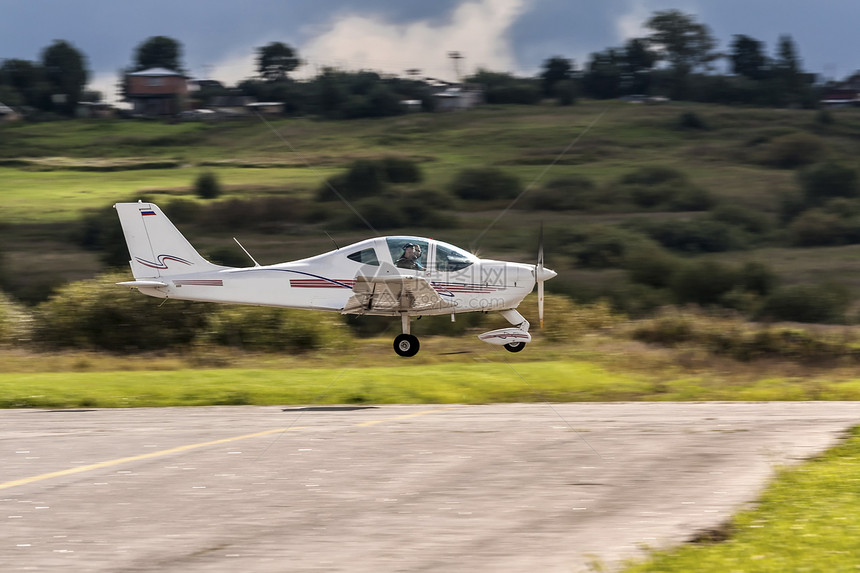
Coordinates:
807	520
62	196
555	380
441	383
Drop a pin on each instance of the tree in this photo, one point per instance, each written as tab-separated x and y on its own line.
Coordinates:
66	72
26	83
556	69
275	60
680	40
158	52
748	58
639	60
605	74
787	67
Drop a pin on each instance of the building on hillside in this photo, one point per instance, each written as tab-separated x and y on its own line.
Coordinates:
156	92
844	93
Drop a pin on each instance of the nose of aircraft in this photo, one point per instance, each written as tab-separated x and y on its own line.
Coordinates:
544	274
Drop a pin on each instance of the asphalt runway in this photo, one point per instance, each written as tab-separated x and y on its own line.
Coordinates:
508	487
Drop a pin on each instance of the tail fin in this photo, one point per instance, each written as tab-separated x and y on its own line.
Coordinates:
156	246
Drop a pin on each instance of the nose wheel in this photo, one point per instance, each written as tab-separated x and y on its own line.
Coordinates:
406	345
515	346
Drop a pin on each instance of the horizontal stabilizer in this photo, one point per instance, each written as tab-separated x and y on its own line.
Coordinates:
143	284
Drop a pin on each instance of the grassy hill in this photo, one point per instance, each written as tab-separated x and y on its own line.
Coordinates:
585	169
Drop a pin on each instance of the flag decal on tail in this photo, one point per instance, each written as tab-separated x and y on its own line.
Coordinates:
145	213
162	261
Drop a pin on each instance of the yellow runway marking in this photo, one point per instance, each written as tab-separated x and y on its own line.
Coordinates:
404	417
116	462
109	463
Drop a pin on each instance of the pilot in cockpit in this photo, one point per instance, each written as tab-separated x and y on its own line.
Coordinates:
410	257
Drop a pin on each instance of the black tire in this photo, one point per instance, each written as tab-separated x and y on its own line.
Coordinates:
406	345
515	346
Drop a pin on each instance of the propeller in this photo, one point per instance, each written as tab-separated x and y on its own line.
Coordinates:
542	274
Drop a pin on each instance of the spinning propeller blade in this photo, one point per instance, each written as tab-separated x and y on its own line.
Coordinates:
538	273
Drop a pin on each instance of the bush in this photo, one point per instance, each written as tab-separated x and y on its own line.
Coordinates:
691	120
97	314
206	186
703	282
699	235
750	220
15	322
182	210
400	170
486	183
575	192
824	181
275	329
381	212
817	228
665	188
648	264
603	247
757	278
806	303
794	150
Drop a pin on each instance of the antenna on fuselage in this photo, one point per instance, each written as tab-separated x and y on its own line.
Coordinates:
256	264
336	247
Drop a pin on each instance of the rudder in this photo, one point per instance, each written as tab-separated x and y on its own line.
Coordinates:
156	246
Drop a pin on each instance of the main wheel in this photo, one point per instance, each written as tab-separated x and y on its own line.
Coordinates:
406	345
515	346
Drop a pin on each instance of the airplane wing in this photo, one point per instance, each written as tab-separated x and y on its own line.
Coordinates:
392	295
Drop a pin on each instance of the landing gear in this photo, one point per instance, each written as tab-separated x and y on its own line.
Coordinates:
406	345
515	346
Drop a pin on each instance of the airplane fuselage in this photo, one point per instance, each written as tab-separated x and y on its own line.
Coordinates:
326	282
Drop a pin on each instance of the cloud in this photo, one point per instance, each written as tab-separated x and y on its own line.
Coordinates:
631	24
478	29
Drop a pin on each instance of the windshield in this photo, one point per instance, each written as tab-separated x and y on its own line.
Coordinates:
450	258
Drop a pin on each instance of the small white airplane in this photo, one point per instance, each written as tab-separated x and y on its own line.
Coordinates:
386	276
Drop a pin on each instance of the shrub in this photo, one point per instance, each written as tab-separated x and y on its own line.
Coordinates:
484	184
98	314
275	329
400	170
745	218
381	212
794	150
182	210
703	282
15	322
658	186
817	228
691	120
206	186
603	247
757	278
575	192
825	181
252	213
699	235
806	303
647	263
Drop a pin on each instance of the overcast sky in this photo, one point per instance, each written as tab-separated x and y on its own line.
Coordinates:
219	37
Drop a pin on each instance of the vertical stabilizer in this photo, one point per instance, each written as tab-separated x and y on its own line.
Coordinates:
156	246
